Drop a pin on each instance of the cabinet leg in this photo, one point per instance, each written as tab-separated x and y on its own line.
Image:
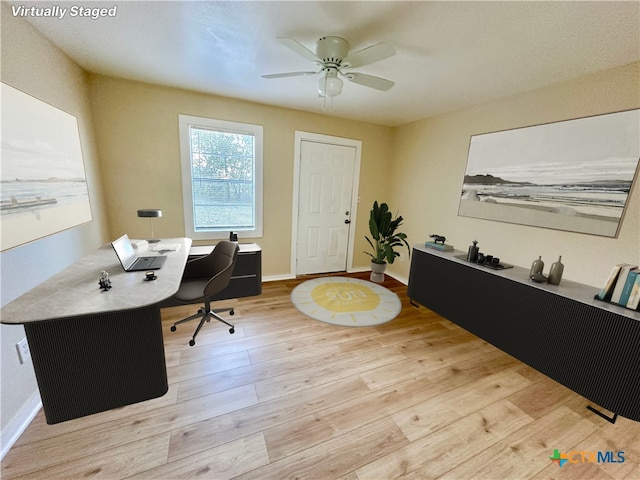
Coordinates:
606	417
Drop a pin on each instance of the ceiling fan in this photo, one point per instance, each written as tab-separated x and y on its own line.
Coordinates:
332	58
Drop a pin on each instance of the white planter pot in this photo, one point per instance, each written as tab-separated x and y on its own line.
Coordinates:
377	272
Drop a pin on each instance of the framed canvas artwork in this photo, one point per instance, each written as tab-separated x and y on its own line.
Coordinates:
43	182
574	175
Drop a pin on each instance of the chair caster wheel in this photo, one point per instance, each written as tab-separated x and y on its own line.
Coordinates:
192	342
232	330
173	328
231	312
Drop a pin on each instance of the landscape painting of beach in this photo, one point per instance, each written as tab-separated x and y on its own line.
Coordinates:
42	178
574	175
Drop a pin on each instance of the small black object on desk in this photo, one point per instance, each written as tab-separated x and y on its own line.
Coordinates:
150	275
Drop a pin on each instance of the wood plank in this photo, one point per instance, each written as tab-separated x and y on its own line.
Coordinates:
430	456
431	415
338	456
39	430
526	452
132	458
222	462
254	373
325	371
217	430
91	440
304	432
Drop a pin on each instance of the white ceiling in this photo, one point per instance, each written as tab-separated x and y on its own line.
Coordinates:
450	54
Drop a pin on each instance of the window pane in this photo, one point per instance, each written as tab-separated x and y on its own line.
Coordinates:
223	180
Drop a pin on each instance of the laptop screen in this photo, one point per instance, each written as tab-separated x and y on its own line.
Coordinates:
124	250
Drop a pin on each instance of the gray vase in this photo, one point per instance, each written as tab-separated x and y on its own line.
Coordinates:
536	267
555	274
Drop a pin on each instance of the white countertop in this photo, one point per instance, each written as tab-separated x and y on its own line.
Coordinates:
75	291
206	249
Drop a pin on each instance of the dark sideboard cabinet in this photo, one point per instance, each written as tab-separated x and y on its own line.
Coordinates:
589	346
246	279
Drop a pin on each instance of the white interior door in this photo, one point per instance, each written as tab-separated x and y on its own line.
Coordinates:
326	179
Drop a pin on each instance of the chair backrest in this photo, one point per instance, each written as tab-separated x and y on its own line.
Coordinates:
222	260
217	267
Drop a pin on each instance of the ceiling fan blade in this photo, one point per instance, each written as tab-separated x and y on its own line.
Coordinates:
288	74
369	81
368	55
299	49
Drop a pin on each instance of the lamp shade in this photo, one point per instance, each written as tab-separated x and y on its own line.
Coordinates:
149	213
330	85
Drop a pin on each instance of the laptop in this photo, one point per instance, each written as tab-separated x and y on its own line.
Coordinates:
130	261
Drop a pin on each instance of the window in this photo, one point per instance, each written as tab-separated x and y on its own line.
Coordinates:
221	177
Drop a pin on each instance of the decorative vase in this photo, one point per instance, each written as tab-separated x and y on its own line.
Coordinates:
555	274
472	254
377	272
536	267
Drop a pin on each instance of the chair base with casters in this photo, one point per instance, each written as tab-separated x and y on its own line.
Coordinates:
205	314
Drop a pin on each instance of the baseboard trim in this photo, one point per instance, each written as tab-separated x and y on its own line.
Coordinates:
289	276
275	278
19	423
400	278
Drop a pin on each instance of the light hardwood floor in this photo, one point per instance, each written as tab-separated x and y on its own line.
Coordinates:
290	397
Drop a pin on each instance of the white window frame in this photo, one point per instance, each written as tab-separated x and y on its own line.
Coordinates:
184	123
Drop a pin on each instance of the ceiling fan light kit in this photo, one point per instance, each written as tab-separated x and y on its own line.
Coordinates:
332	56
330	85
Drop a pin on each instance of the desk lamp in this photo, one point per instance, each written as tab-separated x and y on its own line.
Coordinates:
150	213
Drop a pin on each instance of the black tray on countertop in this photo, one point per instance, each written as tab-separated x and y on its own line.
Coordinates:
492	266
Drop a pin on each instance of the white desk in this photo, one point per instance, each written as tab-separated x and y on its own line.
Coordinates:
95	350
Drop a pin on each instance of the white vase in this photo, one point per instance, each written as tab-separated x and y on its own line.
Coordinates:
377	272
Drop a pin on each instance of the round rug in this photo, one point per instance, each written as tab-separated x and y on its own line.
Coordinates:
349	302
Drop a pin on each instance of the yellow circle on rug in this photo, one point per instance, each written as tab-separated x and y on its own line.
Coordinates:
346	301
344	297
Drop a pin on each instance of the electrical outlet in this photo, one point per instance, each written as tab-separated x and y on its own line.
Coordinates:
23	350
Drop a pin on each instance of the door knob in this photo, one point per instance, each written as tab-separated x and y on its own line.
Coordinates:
347	221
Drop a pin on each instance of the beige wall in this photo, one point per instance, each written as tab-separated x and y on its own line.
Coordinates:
34	65
417	168
430	160
137	132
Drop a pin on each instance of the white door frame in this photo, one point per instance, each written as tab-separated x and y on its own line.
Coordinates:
318	138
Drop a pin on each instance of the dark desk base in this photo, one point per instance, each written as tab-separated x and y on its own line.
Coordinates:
90	364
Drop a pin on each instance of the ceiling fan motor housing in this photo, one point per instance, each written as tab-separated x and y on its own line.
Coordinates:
331	56
332	50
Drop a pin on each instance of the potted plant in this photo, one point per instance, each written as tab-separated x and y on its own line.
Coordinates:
384	239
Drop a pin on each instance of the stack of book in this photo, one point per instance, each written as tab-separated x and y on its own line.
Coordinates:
439	246
622	286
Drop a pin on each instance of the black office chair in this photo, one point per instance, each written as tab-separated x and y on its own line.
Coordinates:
202	279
